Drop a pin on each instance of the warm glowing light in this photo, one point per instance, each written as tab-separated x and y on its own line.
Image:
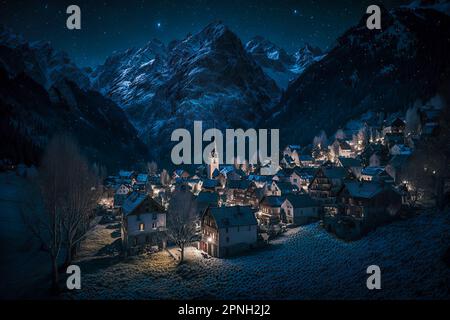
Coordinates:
209	239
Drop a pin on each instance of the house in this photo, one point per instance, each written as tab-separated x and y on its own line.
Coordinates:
180	173
327	183
270	209
278	188
194	184
260	181
287	161
127	177
121	194
283	175
373	174
300	209
306	161
231	173
391	139
303	177
206	200
352	165
228	230
142	182
396	127
211	185
375	150
400	149
340	148
361	207
143	223
239	191
396	166
293	151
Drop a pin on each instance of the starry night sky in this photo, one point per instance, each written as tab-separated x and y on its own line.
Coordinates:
111	25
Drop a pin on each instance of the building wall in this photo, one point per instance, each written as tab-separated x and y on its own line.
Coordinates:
215	243
150	224
300	216
236	235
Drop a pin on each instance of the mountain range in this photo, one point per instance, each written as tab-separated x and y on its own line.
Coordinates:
383	70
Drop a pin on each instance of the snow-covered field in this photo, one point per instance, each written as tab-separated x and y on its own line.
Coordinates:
306	263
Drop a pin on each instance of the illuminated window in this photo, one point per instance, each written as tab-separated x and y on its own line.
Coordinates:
141	227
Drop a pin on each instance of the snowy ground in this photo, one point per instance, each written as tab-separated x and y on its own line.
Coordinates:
306	263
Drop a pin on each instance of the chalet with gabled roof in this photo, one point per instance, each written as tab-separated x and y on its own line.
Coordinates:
300	209
228	231
143	223
361	207
327	183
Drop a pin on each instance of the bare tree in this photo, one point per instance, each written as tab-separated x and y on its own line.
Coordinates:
152	168
67	190
181	219
46	221
81	191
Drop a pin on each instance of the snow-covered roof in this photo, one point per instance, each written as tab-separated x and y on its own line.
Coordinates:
335	172
233	216
210	183
301	201
132	202
208	197
365	189
273	201
295	147
135	199
306	157
238	184
286	186
372	171
142	178
125	174
349	162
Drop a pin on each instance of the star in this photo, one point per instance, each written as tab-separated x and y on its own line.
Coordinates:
158	25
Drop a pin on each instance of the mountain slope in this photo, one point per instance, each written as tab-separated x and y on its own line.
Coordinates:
132	77
41	95
38	60
378	70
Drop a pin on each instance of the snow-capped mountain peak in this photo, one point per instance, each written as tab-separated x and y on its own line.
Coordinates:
277	63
